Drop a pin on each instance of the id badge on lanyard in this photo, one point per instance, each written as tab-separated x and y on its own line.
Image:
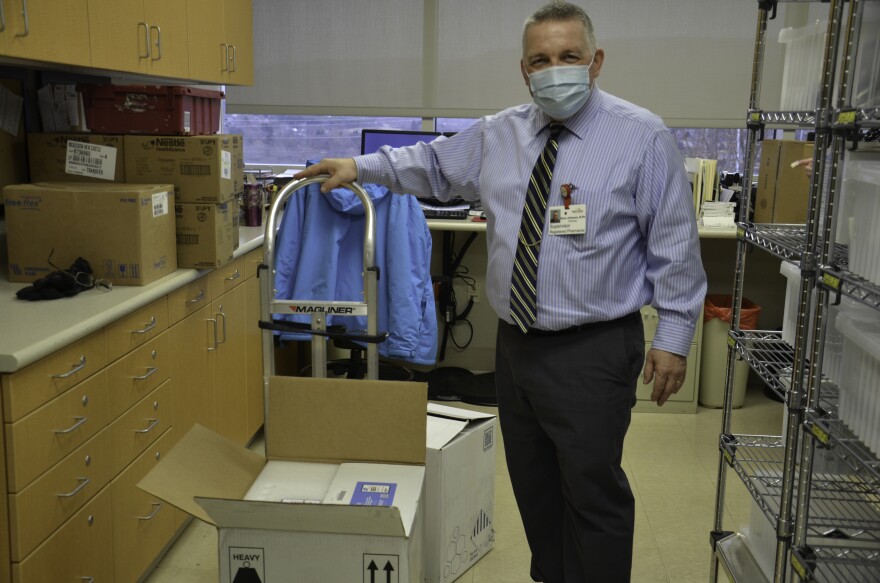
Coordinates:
568	219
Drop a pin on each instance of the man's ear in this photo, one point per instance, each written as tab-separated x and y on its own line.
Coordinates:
522	68
598	59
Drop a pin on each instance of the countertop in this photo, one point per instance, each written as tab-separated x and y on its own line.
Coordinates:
31	330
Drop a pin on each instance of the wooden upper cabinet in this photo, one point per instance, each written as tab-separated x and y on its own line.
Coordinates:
239	26
208	51
139	37
221	41
46	30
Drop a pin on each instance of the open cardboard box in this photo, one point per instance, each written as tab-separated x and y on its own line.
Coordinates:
355	507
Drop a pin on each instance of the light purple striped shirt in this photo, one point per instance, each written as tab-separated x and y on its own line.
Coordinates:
641	244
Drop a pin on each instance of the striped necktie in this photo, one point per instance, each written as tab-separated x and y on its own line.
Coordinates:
524	281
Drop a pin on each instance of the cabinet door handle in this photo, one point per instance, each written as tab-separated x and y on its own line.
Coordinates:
153	423
24	13
2	18
73	370
235	275
83	482
147	328
232	59
198	298
150	372
72	428
222	315
158	42
146	40
156	508
225	48
213	322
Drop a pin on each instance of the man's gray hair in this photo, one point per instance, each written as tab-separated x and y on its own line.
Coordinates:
561	11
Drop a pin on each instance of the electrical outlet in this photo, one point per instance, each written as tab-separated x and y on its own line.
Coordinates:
474	292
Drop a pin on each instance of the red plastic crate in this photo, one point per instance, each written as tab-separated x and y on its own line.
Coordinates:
151	109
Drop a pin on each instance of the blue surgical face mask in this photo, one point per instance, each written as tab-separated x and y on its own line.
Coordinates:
561	91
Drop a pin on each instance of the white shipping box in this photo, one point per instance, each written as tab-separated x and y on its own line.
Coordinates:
459	491
339	495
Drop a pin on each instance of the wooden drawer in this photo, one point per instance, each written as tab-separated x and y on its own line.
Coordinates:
134	376
42	381
189	299
226	277
136	329
252	261
55	496
78	552
142	524
49	434
141	426
687	392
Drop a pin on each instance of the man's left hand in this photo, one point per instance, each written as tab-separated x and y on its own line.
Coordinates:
667	370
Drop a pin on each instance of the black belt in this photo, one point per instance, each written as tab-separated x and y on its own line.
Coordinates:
579	327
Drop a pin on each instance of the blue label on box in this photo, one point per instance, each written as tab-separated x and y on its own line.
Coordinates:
373	494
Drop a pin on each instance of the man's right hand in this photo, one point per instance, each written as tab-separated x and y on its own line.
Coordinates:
341	171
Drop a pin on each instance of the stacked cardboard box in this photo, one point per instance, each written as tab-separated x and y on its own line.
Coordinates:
783	191
124	231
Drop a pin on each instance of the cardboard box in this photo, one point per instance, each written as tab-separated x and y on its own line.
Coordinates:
332	523
783	192
206	237
459	491
90	158
201	168
124	231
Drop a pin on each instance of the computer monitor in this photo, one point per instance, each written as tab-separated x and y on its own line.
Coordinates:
372	140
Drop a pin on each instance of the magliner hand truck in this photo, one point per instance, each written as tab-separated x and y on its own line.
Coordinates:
318	310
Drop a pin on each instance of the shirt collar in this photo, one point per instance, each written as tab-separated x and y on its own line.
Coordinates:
579	122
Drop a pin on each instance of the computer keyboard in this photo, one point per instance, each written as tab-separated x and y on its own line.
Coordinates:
441	213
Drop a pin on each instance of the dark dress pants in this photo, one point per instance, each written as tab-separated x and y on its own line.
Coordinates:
564	404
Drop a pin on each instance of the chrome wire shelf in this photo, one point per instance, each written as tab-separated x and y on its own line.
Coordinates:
850	285
861	118
835	564
842	508
768	355
784	241
832	432
788	118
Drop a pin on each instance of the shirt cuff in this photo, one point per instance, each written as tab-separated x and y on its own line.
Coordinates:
673	337
369	168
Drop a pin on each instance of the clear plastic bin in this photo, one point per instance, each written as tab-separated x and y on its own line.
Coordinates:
792	273
866	80
859	214
859	406
802	68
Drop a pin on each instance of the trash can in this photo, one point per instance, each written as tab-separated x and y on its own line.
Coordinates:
713	363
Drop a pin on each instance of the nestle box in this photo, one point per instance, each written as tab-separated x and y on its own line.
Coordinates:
124	231
206	237
76	158
337	497
201	168
459	491
783	192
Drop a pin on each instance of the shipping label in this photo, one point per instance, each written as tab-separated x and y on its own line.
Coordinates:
160	204
91	160
226	164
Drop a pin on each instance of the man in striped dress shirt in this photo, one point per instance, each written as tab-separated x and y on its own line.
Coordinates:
626	237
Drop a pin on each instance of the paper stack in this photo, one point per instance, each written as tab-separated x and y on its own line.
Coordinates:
718	215
703	175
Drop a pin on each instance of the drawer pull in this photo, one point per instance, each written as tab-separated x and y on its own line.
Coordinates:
235	275
24	12
150	373
73	370
148	327
158	42
153	423
72	428
83	482
198	298
146	40
156	508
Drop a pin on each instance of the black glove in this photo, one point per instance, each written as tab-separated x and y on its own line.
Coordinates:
61	283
